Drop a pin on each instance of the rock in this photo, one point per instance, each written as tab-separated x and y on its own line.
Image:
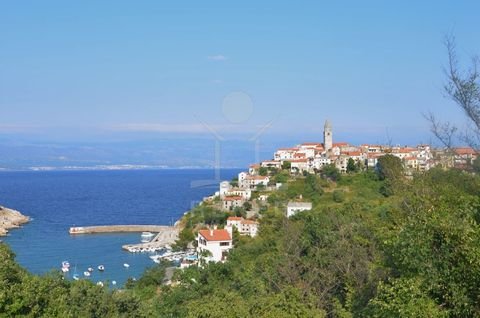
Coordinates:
10	219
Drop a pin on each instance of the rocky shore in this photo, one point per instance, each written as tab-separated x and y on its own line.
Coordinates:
11	219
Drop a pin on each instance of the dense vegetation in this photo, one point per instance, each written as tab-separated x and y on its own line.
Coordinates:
414	252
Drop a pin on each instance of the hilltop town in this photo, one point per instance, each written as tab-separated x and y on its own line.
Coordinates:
245	196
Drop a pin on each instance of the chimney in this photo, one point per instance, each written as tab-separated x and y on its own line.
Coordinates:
211	232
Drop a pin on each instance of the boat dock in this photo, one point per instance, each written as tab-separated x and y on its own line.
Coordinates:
165	237
119	229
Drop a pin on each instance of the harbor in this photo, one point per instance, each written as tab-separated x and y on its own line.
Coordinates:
165	235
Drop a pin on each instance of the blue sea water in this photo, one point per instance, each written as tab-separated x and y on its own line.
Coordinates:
57	200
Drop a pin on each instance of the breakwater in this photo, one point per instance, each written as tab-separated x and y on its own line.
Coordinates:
118	229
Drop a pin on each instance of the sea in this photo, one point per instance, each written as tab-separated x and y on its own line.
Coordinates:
58	200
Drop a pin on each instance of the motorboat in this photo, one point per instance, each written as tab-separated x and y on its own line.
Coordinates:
76	277
86	274
101	268
147	237
126	265
90	269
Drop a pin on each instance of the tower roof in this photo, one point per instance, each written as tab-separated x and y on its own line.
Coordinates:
328	124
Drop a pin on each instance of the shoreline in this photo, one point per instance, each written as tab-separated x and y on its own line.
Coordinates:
11	219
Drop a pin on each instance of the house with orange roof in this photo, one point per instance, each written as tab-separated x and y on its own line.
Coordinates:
213	245
243	226
464	156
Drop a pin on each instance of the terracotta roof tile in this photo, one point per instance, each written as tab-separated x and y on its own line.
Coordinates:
215	235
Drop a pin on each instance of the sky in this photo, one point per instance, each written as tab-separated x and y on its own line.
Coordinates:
107	71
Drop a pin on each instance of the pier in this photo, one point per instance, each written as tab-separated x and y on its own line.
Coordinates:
163	238
119	229
167	235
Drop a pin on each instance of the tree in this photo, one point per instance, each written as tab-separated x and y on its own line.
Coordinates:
263	171
389	167
331	172
286	165
463	87
234	182
351	166
185	237
338	196
247	205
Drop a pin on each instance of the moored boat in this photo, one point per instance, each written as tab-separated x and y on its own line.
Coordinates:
101	268
147	237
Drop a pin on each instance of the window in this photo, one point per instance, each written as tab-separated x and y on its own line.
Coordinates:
224	243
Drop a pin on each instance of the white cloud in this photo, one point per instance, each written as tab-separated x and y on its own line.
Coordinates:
217	57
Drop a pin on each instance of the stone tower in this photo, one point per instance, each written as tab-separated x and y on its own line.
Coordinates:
327	136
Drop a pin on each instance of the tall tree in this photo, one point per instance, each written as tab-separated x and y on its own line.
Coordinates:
463	87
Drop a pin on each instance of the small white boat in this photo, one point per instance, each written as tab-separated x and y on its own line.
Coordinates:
126	265
76	277
65	269
114	282
101	268
86	274
147	237
90	269
65	264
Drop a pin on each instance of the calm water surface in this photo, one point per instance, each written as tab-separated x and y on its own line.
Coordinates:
57	200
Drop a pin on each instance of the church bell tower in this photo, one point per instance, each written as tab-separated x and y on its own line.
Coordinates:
327	136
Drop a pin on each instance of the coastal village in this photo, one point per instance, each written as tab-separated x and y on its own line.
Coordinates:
243	198
236	196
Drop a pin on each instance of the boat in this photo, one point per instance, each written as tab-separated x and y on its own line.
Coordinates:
65	269
66	264
114	282
101	268
76	277
126	265
147	237
86	274
90	269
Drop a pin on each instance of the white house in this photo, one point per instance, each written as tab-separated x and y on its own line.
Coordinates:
271	164
231	202
247	181
294	207
300	165
244	227
227	190
216	242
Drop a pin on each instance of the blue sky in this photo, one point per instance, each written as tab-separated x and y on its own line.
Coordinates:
109	70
